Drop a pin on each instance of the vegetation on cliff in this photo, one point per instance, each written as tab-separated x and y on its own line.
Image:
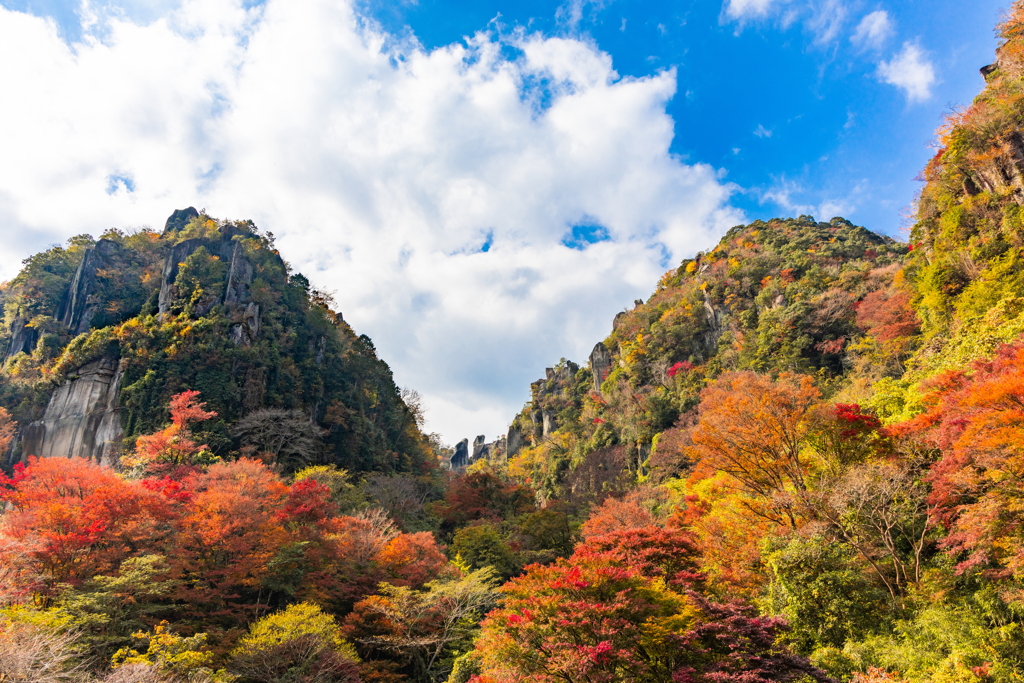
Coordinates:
209	306
800	458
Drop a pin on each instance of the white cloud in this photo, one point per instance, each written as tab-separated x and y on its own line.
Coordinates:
572	12
910	71
872	31
824	19
749	9
783	195
381	168
827	20
762	132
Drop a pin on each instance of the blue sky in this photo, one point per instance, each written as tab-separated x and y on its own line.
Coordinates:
482	184
785	101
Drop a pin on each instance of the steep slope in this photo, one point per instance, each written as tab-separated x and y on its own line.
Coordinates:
786	295
101	333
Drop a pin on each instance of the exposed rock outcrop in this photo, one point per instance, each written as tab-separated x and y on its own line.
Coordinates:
549	421
514	442
82	418
714	329
566	372
23	338
479	448
80	305
542	418
244	314
179	219
1003	173
179	252
492	451
600	364
460	459
245	331
239	277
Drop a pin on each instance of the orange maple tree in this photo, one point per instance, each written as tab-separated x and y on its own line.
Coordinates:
753	428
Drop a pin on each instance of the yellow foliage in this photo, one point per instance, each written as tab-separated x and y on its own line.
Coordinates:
170	652
291	623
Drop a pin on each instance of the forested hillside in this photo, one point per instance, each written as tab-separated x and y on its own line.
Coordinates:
100	334
799	459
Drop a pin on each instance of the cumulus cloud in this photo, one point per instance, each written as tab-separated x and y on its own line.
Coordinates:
383	169
872	31
910	71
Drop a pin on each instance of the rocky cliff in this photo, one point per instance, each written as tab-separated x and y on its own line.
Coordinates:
82	418
772	296
101	333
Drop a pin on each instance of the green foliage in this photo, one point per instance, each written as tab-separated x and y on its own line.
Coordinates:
276	345
481	546
107	610
465	667
200	282
823	592
964	637
300	643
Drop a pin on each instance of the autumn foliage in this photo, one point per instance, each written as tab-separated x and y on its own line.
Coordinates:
624	607
235	537
753	429
976	419
173	447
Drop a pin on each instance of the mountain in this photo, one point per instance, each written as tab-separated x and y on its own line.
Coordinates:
801	458
785	295
101	333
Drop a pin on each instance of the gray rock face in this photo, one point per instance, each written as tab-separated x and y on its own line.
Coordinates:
714	330
514	442
23	338
179	219
82	419
244	333
239	277
498	450
537	418
461	456
1004	173
600	364
566	372
79	307
550	422
493	451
